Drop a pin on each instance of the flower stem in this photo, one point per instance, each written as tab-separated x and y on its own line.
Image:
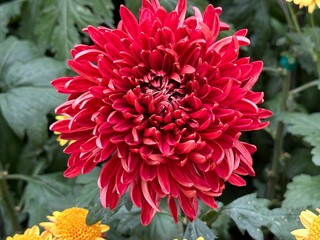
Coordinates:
284	7
318	69
271	69
316	57
294	18
6	199
304	87
39	167
277	150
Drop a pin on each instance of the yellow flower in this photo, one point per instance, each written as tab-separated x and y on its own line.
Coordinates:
311	4
61	141
32	234
70	224
312	226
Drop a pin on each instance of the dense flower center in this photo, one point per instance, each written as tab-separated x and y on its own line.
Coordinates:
71	225
314	231
155	83
163	92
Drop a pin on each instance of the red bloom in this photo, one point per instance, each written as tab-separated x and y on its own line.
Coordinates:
163	102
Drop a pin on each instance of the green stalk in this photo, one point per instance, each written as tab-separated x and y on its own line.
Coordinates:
298	29
282	4
6	198
37	170
271	69
318	68
294	18
277	150
304	87
317	55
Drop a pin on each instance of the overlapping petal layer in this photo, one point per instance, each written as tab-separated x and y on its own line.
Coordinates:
164	103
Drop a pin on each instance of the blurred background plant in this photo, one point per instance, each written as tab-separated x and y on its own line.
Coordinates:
36	36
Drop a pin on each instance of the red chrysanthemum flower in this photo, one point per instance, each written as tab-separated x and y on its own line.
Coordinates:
164	103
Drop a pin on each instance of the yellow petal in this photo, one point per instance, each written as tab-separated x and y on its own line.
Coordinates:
46	235
34	230
311	8
104	228
61	117
46	224
307	217
300	234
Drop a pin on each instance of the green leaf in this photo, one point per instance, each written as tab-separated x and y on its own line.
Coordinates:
251	214
221	227
52	152
305	47
126	222
303	192
300	162
87	195
252	15
12	50
282	222
90	177
196	229
26	96
103	12
162	227
130	221
169	5
60	21
9	152
29	20
96	211
88	190
7	11
112	235
5	228
274	106
32	160
308	127
134	6
45	194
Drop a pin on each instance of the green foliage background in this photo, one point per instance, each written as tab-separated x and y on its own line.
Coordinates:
35	39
